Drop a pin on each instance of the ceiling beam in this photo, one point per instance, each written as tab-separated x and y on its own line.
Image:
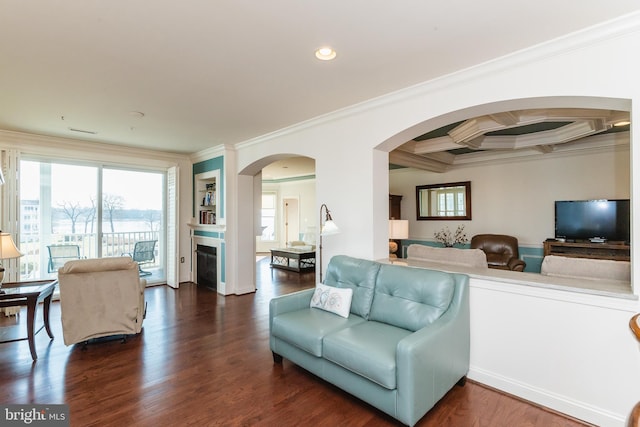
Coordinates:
433	145
402	158
506	119
473	128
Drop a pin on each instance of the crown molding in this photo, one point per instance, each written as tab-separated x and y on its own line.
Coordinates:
74	149
211	153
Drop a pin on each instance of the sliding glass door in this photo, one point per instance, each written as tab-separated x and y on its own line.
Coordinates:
85	211
133	217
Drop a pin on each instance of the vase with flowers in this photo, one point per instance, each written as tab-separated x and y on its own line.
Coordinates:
449	239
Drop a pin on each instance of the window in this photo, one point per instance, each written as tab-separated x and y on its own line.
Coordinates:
268	221
101	211
450	202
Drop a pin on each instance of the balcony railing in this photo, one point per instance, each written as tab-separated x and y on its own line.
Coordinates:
33	265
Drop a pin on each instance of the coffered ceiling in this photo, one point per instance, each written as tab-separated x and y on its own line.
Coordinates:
510	134
187	76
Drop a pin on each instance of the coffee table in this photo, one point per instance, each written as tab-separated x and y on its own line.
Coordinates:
304	259
29	294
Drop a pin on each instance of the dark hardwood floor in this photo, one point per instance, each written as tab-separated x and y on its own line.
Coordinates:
203	359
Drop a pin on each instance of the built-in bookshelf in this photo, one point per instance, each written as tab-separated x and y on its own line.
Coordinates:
206	197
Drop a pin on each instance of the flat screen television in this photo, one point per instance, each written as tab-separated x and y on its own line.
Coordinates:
593	220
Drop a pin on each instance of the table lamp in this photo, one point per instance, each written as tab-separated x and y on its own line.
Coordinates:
398	229
8	250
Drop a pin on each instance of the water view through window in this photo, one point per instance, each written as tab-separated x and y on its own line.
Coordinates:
90	211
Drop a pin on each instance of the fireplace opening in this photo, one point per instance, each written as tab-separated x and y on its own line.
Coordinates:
207	266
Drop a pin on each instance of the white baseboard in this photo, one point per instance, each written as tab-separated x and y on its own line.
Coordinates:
546	398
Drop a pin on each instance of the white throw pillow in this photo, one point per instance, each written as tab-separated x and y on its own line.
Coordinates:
332	299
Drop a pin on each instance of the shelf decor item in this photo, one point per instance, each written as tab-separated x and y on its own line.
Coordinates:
449	239
208	198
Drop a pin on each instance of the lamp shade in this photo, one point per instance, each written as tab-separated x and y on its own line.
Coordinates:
329	228
8	249
398	229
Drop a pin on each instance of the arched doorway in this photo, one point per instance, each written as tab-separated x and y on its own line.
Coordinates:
279	180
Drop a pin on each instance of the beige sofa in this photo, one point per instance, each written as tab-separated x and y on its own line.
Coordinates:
452	256
586	268
100	297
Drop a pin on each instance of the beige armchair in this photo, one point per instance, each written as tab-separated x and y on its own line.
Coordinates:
100	297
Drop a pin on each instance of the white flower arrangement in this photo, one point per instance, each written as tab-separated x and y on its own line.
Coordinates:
449	239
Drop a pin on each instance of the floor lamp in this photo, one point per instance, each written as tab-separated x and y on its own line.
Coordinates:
329	227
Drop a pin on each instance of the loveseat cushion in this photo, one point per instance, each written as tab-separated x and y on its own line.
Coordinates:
368	349
357	274
411	298
306	328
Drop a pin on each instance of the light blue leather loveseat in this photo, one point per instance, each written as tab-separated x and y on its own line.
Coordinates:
404	344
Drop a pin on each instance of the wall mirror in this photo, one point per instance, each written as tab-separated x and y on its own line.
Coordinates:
450	201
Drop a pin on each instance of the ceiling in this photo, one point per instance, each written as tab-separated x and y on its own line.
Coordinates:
186	76
510	135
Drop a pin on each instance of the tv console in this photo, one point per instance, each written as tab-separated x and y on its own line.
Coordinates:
616	252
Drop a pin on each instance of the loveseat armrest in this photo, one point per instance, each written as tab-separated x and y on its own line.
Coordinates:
290	302
433	359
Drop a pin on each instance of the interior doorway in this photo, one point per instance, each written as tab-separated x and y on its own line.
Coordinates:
291	212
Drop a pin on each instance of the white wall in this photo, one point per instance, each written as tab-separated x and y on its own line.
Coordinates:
570	352
597	68
517	198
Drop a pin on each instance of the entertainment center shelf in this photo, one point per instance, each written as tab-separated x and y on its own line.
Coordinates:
616	252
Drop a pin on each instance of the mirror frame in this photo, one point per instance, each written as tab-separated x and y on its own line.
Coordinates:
420	189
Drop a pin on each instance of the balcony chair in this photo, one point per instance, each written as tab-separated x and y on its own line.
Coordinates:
59	254
144	252
501	251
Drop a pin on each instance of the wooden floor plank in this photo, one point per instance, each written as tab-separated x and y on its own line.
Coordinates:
204	359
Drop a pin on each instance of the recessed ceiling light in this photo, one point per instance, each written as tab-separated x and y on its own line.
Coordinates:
622	123
325	53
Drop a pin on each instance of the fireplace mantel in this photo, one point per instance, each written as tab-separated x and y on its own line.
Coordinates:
207	227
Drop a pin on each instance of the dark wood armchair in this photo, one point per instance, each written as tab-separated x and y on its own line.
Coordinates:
501	250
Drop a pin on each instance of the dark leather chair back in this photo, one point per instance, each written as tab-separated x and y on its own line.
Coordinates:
501	251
